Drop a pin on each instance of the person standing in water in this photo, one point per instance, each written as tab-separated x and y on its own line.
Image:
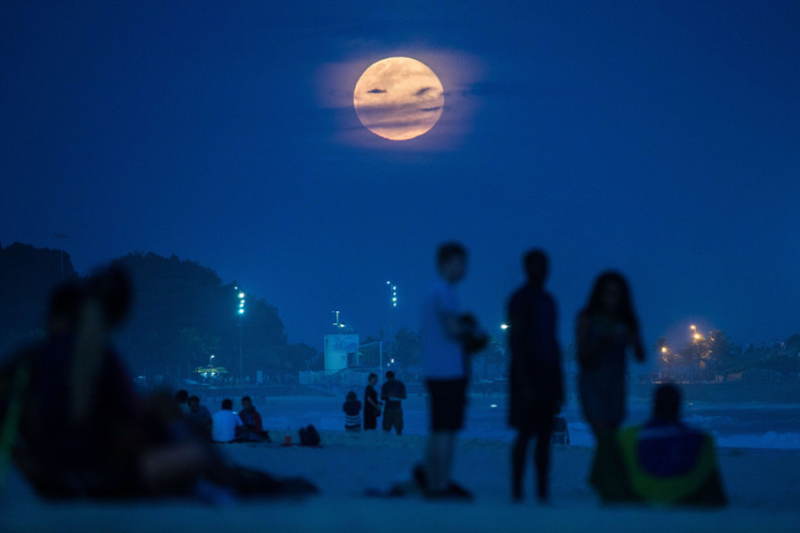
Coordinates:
536	382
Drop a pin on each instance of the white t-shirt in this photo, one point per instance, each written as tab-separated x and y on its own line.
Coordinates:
223	426
442	357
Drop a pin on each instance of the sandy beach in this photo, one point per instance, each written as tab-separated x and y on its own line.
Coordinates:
349	464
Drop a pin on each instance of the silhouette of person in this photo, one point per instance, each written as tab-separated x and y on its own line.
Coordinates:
199	416
663	462
607	327
372	408
393	393
536	382
445	367
352	412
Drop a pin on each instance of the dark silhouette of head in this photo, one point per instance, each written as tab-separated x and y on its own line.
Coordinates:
182	396
667	403
66	301
113	289
451	261
611	296
537	267
247	402
351	396
193	401
227	404
390	375
372	379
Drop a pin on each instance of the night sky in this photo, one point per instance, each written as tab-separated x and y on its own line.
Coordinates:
659	139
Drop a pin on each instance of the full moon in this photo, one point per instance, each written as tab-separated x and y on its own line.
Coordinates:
398	98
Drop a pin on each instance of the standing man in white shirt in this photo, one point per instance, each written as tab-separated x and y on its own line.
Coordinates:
224	423
445	367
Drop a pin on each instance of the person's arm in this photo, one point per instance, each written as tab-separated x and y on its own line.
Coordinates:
371	401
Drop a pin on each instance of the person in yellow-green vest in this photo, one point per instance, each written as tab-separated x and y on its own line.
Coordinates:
664	462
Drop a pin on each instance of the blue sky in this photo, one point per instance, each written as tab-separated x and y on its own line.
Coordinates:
657	138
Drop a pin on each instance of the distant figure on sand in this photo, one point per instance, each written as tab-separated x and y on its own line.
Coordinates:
372	408
606	328
352	412
536	381
251	429
663	462
393	393
182	399
199	416
225	423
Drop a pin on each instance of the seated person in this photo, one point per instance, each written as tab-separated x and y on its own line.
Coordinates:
251	429
199	416
352	412
76	428
224	423
664	462
182	399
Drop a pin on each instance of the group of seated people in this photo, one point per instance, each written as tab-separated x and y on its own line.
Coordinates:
225	425
74	425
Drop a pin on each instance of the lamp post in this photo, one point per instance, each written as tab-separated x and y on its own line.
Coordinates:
393	303
240	310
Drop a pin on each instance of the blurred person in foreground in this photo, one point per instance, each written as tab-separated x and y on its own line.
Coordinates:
536	381
663	462
449	338
77	429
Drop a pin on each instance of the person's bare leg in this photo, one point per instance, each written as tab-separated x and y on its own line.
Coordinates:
436	463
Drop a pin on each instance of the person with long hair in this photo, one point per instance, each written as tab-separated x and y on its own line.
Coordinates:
607	329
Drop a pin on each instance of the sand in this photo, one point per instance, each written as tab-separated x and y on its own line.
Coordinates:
763	486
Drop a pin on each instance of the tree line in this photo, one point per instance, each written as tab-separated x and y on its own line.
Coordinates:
183	313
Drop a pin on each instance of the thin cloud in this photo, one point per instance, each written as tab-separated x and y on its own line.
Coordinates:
422	91
377	91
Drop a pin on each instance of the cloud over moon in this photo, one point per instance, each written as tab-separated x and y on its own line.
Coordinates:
408	104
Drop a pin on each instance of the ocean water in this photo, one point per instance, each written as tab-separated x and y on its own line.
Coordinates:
749	425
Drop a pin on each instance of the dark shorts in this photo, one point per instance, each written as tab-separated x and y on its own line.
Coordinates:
448	401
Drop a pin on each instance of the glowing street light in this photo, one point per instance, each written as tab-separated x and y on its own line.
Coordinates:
504	326
393	288
664	349
240	311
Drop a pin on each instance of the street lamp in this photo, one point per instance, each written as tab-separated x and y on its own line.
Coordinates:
240	311
504	326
